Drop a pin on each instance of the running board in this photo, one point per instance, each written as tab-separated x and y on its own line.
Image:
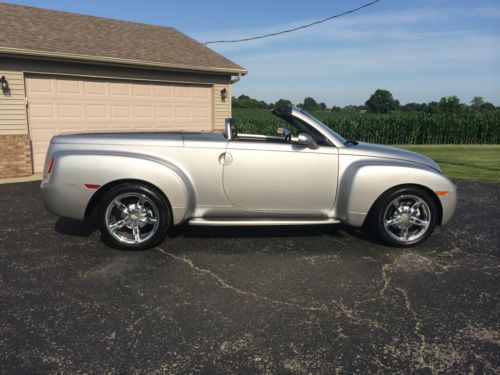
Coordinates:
264	222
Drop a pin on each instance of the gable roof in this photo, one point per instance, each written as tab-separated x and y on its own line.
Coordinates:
54	34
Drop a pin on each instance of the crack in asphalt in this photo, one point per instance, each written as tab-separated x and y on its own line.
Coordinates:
343	310
417	330
237	290
487	364
386	270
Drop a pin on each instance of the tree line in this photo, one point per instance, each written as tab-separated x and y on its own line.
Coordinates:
381	101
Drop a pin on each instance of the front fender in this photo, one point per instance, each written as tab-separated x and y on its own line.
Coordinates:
362	182
65	194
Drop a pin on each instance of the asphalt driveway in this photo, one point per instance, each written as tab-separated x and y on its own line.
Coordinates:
246	300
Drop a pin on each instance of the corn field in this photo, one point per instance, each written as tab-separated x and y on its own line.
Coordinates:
392	128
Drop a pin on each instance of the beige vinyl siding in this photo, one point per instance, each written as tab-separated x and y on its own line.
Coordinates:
222	109
13	119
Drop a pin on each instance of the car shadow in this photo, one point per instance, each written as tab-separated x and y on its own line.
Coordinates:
336	231
86	228
76	228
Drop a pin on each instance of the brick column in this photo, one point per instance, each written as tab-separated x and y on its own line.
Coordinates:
15	156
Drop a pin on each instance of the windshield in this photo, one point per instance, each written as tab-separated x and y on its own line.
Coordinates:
324	127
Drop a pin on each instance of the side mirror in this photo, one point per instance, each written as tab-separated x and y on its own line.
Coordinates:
285	132
307	140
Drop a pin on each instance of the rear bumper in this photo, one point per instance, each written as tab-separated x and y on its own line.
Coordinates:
67	200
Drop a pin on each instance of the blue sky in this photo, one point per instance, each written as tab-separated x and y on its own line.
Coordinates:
419	50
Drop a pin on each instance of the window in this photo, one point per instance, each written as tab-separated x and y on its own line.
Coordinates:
270	133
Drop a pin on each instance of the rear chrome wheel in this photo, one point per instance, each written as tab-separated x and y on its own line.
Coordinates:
134	217
405	216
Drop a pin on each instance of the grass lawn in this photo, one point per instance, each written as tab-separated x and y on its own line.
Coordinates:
472	162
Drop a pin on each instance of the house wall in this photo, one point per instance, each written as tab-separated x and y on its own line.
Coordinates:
13	104
15	150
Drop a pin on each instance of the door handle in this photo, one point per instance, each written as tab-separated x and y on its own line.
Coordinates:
225	159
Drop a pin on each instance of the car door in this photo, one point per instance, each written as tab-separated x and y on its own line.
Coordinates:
280	177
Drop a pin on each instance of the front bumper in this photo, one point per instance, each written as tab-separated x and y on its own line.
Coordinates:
449	203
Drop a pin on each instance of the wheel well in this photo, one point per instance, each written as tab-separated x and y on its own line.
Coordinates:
96	198
431	193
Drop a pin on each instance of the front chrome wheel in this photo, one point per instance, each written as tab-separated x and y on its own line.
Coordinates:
407	218
404	216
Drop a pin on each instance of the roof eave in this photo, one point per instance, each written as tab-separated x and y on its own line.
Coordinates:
118	61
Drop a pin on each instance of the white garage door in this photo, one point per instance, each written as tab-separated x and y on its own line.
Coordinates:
74	105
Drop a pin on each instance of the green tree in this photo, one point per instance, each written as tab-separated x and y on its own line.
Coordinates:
322	107
450	104
309	104
487	107
431	107
381	101
282	102
244	101
350	108
335	109
477	102
411	107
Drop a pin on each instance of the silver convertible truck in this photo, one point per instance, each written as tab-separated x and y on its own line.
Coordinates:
140	184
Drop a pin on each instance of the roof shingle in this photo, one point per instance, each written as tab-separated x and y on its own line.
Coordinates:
53	32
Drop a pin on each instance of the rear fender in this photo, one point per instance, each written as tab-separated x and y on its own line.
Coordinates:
73	170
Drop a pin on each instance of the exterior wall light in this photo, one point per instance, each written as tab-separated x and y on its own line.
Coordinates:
4	84
223	94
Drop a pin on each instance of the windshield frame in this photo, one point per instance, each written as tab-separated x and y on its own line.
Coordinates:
324	127
335	139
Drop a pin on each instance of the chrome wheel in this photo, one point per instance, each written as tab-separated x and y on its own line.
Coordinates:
407	218
132	218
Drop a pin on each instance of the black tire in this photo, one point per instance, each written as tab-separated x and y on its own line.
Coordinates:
138	217
385	211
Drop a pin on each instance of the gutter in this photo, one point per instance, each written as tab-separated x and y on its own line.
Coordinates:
118	61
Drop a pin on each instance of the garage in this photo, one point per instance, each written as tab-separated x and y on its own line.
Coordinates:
71	73
72	105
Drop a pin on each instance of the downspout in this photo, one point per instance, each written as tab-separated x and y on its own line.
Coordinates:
233	81
236	79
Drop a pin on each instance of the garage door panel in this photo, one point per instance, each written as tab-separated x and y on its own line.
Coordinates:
39	145
42	111
119	89
202	113
39	87
143	112
199	92
120	112
73	104
67	87
142	90
164	112
70	111
163	91
182	92
96	112
92	89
